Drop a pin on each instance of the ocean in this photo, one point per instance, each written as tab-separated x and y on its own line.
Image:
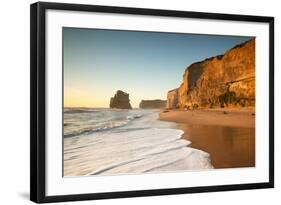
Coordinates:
100	141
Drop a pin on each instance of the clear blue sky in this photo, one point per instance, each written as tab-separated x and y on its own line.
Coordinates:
97	63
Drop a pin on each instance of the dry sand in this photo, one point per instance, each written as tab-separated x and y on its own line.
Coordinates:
228	135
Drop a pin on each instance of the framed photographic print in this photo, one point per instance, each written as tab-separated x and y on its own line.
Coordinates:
129	102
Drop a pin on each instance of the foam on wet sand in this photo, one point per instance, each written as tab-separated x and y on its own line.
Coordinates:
144	145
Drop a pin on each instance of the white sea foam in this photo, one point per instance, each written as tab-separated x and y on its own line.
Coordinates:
79	121
143	145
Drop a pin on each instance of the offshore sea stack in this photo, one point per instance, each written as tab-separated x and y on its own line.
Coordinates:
153	104
120	100
222	81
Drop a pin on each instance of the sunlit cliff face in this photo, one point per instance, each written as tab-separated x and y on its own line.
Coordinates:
222	81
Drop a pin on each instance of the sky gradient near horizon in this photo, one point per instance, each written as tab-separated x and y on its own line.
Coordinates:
146	65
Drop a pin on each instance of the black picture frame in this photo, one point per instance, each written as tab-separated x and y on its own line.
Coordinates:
38	101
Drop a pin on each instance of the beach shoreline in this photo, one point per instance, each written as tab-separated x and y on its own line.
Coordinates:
232	117
227	134
129	141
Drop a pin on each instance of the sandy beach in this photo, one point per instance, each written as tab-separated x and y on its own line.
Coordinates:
228	135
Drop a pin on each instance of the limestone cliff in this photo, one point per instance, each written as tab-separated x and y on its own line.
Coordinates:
223	81
120	100
153	104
